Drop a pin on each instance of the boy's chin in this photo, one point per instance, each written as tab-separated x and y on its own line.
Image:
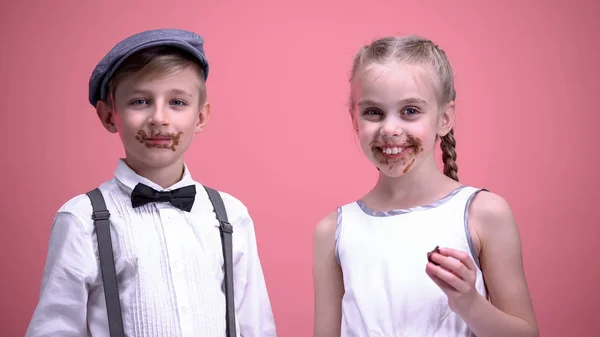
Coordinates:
156	158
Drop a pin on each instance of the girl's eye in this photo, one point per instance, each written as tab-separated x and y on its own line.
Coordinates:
372	112
410	111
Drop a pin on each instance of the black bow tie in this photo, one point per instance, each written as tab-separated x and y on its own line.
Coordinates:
182	198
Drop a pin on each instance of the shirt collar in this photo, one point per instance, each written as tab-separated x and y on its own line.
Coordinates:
129	179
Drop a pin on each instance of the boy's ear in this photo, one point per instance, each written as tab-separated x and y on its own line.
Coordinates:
203	117
105	113
446	119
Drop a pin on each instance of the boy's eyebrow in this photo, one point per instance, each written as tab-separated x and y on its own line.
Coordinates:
176	91
410	100
179	91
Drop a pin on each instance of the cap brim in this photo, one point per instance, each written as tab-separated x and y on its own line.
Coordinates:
173	43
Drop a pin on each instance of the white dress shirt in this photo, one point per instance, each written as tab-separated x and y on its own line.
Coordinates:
169	266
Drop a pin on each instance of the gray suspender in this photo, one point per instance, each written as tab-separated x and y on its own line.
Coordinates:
101	216
226	230
109	277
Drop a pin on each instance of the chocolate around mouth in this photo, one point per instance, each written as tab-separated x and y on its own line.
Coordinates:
411	141
412	146
174	139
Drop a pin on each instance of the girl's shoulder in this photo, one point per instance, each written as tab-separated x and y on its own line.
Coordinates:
490	213
325	229
489	206
327	223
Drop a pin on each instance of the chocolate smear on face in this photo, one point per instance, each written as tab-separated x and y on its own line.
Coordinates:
416	142
408	166
413	145
174	138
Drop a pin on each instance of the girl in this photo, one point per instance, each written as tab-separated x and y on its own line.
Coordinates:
374	270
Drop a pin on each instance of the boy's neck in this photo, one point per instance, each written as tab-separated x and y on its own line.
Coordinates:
163	176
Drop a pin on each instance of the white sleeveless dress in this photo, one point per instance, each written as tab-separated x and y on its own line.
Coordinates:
383	257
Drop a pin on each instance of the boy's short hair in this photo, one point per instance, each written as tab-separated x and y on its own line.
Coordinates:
189	46
154	62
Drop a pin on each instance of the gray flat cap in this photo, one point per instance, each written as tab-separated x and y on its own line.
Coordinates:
188	41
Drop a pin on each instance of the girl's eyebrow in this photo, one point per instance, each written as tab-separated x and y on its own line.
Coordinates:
410	100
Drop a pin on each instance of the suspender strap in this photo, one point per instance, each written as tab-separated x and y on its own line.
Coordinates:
107	263
226	242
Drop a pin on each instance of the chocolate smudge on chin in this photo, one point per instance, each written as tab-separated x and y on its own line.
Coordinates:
409	165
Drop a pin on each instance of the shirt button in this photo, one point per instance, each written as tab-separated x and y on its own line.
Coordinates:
184	310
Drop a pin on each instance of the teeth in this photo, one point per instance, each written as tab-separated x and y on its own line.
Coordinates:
392	150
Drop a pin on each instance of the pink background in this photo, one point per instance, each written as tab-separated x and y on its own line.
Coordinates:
280	138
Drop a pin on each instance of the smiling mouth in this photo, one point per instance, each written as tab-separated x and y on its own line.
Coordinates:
392	151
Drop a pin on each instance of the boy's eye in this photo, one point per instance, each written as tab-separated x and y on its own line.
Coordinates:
139	101
178	102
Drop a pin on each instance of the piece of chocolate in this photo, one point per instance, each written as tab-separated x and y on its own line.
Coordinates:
435	250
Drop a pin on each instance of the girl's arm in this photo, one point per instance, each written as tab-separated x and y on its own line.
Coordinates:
327	280
510	313
501	259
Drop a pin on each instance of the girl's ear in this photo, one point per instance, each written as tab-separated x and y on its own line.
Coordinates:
446	119
352	113
105	113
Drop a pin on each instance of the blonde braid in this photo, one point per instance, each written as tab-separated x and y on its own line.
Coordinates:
448	145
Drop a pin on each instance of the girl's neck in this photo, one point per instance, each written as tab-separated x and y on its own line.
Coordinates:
162	176
420	186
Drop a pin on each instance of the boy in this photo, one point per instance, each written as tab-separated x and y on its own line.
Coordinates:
158	262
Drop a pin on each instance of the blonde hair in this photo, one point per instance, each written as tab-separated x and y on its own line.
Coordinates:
416	50
155	62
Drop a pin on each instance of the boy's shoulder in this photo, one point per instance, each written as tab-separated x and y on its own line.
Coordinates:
233	205
80	206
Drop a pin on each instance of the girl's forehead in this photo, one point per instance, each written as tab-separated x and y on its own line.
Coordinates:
395	81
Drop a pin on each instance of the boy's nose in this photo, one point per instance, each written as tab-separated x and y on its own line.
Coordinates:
159	116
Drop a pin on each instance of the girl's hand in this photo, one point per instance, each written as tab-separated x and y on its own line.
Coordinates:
455	275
